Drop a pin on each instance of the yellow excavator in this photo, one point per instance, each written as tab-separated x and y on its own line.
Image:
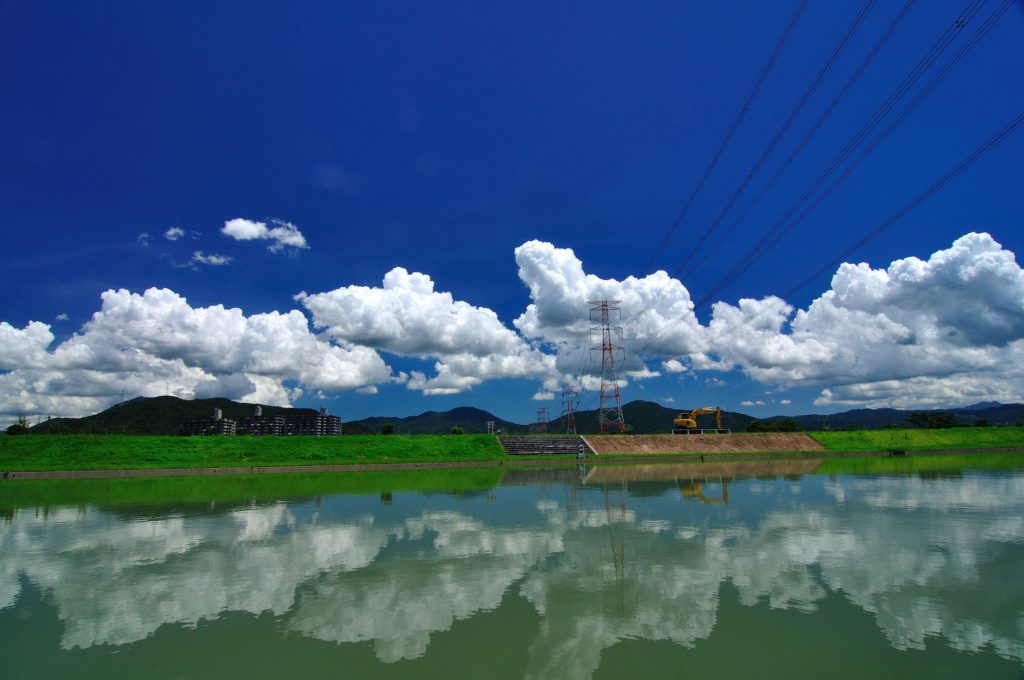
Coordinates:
688	424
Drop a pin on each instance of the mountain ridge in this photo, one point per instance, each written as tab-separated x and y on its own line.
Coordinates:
165	415
872	419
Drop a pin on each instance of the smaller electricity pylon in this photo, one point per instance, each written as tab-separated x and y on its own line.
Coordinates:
541	426
570	402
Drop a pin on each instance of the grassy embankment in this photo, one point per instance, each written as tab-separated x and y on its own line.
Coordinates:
113	452
158	496
922	440
109	452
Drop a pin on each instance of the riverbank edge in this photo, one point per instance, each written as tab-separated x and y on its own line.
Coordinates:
512	462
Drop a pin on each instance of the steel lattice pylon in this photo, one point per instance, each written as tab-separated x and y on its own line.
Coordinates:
570	400
541	426
610	410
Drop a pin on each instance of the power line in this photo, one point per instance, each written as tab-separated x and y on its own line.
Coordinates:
689	115
960	167
741	114
779	230
803	142
767	241
808	92
920	198
822	117
909	81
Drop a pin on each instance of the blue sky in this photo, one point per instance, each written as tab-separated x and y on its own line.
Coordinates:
508	157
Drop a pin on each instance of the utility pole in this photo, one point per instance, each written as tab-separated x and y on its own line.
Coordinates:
610	411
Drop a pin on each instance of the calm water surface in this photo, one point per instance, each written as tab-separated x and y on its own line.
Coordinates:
571	573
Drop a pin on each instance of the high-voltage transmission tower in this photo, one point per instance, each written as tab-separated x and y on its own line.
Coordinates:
541	426
570	400
610	410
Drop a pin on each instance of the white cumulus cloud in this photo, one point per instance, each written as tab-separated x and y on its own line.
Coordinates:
673	366
214	260
935	332
156	343
24	348
656	311
945	330
407	317
281	235
174	233
921	332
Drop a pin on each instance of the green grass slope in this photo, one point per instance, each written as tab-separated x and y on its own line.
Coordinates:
106	452
111	452
922	440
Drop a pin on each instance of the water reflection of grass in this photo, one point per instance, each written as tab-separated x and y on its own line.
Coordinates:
107	452
919	464
233	489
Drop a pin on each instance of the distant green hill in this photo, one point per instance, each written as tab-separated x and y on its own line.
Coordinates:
155	415
647	417
471	420
876	419
165	415
644	417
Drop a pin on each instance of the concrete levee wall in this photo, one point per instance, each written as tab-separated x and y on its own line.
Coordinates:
702	443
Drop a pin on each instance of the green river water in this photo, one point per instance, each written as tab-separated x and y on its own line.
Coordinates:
665	571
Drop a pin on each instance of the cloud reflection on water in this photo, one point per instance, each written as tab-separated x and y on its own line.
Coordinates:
920	555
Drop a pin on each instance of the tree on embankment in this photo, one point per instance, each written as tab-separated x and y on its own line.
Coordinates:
932	421
20	426
781	425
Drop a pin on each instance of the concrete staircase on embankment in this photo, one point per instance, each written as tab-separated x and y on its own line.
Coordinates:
543	446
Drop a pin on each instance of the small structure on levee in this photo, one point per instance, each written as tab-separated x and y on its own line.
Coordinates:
684	424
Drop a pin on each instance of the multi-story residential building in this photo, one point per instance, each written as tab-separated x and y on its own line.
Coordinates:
259	424
317	424
218	424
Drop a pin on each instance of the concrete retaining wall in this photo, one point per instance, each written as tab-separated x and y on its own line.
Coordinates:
702	443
